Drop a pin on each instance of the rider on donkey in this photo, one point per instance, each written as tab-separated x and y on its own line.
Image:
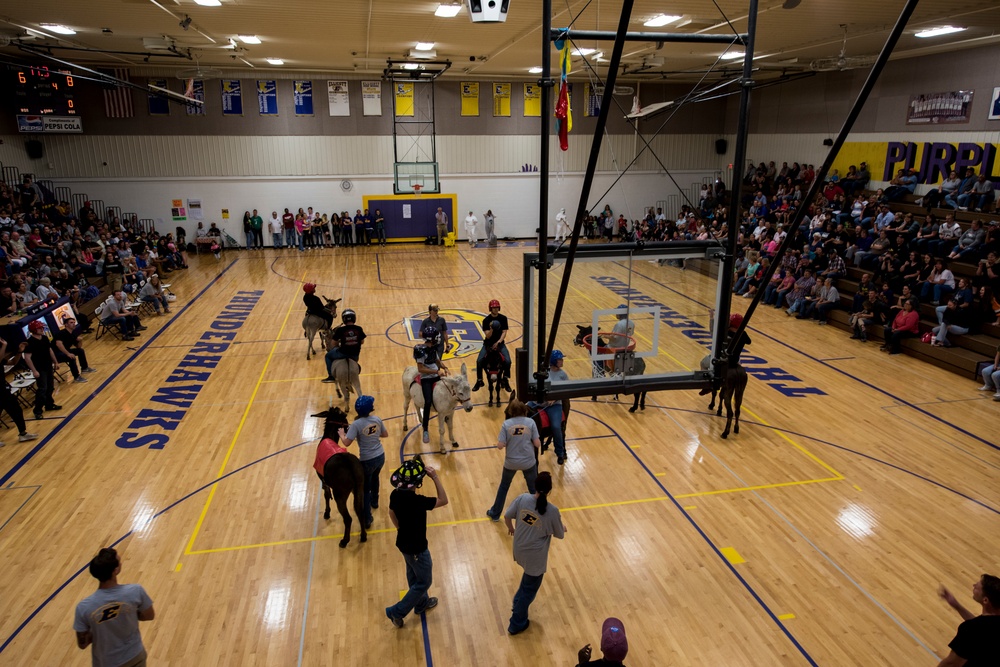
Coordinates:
314	305
735	320
430	368
349	338
495	331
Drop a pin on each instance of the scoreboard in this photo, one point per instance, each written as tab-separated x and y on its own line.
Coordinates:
39	91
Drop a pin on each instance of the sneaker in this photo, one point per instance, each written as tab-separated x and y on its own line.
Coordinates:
561	460
53	407
25	437
996	397
396	620
986	387
493	518
426	437
128	338
38	415
328	380
431	603
511	630
88	369
141	328
80	378
479	385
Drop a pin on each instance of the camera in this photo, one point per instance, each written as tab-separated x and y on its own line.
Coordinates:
488	11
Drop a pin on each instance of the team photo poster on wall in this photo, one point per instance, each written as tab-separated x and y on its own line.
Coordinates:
995	105
935	108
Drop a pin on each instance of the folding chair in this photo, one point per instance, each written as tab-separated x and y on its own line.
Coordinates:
103	328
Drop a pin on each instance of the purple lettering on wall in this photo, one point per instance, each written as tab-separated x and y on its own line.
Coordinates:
969	155
939	164
894	154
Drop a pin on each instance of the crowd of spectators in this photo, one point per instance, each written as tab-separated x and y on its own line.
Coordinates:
308	229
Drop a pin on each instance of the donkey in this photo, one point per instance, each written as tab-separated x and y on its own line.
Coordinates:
734	383
347	376
541	422
493	364
342	476
450	391
313	324
605	368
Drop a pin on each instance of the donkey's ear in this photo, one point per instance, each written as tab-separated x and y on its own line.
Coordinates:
322	415
464	370
581	328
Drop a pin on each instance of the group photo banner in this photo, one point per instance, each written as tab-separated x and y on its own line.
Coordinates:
340	102
371	98
303	98
232	97
501	100
470	98
267	97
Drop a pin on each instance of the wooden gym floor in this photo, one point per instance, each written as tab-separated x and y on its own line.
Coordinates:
818	535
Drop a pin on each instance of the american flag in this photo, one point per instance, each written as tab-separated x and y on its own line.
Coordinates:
118	99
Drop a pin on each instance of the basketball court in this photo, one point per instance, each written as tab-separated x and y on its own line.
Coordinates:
817	535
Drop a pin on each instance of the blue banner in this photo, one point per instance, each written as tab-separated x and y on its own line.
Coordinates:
303	98
159	105
196	90
267	97
232	98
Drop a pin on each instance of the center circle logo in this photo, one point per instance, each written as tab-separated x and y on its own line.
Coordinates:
465	336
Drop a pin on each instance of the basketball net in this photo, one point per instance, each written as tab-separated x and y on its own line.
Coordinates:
417	189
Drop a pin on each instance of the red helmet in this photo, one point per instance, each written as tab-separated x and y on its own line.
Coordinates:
309	288
735	320
494	304
36	326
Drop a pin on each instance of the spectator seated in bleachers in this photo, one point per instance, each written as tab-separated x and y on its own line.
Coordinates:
939	284
905	183
979	197
969	243
946	193
906	324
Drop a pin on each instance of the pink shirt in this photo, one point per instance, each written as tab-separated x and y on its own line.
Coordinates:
907	321
299	224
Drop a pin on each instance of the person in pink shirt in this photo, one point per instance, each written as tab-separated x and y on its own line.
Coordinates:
300	226
906	325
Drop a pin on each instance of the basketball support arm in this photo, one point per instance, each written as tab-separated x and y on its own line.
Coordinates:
859	103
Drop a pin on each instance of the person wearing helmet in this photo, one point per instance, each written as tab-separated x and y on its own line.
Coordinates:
10	404
735	320
431	368
493	338
40	358
408	513
623	327
314	305
556	409
436	320
366	430
348	339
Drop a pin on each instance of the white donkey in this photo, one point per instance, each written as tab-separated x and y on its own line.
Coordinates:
449	392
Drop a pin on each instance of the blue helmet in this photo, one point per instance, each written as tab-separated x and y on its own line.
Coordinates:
623	306
557	355
364	405
430	333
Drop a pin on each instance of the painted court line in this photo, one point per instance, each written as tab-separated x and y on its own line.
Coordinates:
9	487
90	397
312	558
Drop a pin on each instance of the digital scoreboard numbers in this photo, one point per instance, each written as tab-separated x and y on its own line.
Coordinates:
39	91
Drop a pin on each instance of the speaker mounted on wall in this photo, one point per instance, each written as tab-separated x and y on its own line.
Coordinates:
721	145
34	148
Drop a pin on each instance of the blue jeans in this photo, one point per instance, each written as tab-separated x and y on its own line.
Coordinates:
508	476
302	240
555	413
289	238
332	355
504	354
991	378
372	468
276	239
525	595
937	292
418	576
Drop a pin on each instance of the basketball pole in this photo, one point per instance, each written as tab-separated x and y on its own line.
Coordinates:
859	103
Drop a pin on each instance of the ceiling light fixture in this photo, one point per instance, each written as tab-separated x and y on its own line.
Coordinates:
275	61
937	32
661	20
249	39
732	55
208	3
410	66
424	46
57	28
232	43
535	70
449	11
583	52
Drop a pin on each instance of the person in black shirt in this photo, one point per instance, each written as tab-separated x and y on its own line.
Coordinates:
430	368
314	305
69	348
8	304
976	644
40	357
10	404
408	512
349	338
493	337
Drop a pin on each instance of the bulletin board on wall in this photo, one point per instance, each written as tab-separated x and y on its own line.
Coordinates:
411	218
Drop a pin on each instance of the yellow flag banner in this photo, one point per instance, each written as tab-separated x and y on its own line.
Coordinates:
470	98
501	100
404	99
532	100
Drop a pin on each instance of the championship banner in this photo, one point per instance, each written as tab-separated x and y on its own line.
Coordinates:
158	104
340	103
932	160
371	98
232	97
470	98
303	98
532	100
267	97
197	92
501	100
404	99
591	100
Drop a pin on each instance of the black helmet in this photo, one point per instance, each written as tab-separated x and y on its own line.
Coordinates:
349	317
430	334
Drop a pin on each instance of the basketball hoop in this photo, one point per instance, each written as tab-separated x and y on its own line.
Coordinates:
417	189
609	349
